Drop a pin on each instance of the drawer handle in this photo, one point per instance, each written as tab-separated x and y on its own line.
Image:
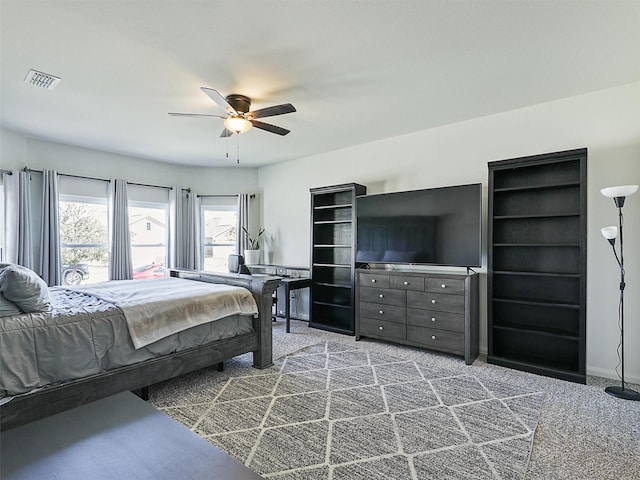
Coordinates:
433	319
433	337
406	283
443	286
373	280
381	296
381	312
433	301
380	328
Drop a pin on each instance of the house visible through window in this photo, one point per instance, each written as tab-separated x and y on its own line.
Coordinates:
149	238
218	221
84	236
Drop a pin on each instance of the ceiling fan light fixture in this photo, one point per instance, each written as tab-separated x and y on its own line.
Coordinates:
237	124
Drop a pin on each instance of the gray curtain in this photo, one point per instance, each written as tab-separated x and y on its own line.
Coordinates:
176	228
191	257
50	263
120	263
19	240
243	221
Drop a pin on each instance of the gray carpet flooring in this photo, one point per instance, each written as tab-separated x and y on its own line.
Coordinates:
582	432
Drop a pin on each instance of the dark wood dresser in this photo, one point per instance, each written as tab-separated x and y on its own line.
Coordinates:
438	311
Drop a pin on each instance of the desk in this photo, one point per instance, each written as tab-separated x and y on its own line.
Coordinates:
288	284
117	437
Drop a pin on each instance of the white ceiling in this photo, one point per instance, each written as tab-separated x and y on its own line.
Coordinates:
357	71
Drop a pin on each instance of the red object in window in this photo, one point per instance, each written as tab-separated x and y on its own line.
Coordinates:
153	270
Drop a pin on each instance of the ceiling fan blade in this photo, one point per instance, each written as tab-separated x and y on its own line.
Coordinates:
269	128
272	111
226	133
174	114
219	99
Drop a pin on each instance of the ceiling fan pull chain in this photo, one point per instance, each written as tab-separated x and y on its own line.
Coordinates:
238	152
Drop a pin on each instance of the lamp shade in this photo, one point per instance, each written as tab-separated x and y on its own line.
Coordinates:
620	191
237	124
609	232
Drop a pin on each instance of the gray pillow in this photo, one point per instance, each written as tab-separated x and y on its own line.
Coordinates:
24	288
8	308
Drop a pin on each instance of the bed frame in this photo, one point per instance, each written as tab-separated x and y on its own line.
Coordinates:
51	400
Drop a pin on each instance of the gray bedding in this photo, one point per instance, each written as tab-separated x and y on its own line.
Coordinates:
85	335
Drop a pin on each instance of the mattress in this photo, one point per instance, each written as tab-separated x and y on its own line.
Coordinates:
84	335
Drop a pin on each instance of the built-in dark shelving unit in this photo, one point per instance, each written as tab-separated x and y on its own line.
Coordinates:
333	245
537	251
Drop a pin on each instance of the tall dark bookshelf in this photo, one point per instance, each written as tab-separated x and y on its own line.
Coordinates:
537	264
333	246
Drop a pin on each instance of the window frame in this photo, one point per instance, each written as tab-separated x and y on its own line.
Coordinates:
227	203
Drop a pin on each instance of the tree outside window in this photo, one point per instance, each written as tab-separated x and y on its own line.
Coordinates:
83	239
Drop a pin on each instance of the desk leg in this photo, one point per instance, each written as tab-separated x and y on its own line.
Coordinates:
287	306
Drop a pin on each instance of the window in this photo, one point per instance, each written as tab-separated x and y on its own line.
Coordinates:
149	238
218	220
84	236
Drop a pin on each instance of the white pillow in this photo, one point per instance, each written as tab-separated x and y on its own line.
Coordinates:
25	288
8	308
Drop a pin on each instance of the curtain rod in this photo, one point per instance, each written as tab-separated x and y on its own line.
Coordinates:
147	185
253	195
27	169
2	170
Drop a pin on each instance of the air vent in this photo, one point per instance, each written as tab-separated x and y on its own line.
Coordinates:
40	79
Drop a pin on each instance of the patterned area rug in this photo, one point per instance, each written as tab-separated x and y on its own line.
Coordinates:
337	412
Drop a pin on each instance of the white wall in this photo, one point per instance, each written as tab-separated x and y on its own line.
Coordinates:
16	151
606	122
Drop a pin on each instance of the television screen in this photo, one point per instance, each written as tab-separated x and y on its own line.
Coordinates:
437	226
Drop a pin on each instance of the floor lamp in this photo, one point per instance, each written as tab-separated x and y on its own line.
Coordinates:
610	233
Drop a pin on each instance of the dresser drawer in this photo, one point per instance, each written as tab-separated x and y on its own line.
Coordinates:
374	280
384	296
452	342
452	286
407	283
436	301
388	313
435	319
382	329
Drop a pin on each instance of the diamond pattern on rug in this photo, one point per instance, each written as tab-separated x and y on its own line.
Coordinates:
364	437
297	408
416	430
302	382
488	421
465	463
292	446
347	359
527	408
247	387
232	416
356	402
351	377
410	396
509	457
383	469
335	411
397	373
304	362
459	390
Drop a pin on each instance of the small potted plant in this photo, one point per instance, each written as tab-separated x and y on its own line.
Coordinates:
252	254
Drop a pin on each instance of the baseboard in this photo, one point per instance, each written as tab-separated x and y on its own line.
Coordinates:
608	373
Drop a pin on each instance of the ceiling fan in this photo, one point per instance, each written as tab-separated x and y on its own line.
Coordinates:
238	118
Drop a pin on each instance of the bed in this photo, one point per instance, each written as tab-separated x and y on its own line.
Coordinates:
77	345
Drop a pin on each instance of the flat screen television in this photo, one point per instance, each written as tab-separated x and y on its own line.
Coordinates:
436	226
